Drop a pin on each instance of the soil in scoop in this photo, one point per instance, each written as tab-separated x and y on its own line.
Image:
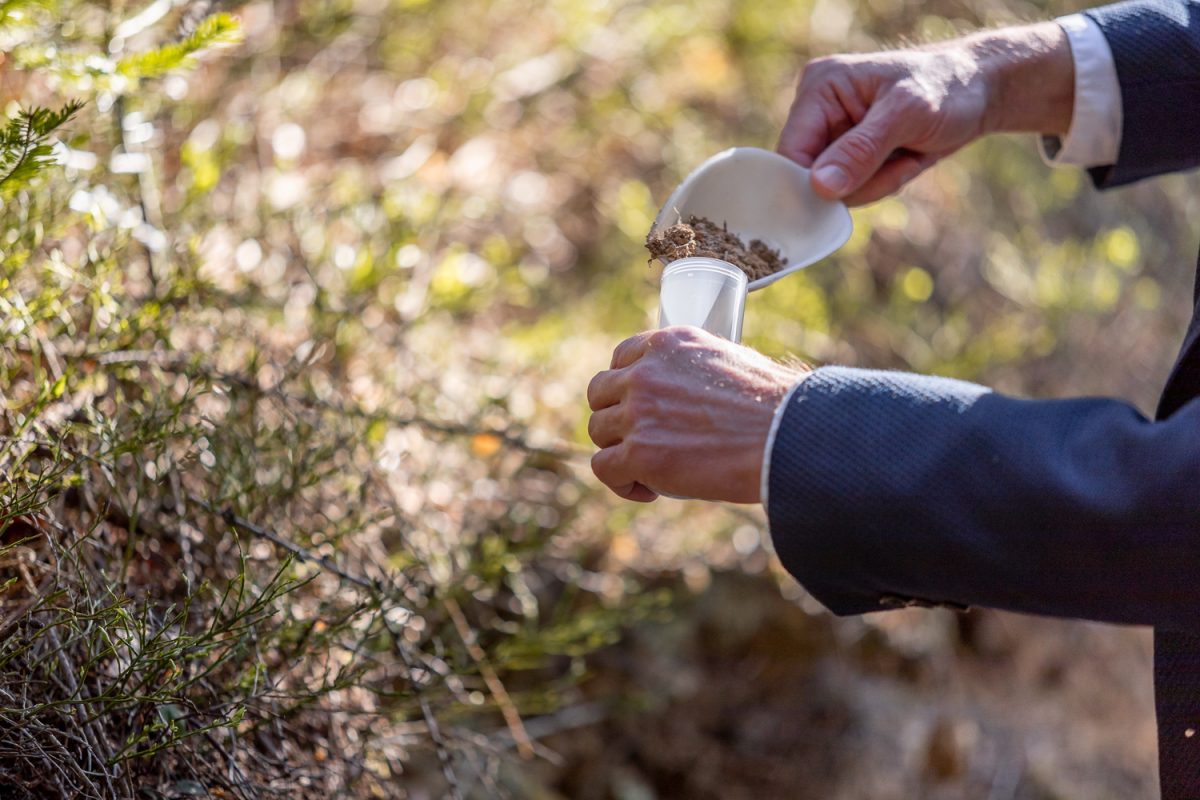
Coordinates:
703	237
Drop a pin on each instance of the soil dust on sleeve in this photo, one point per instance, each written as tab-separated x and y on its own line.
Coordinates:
702	237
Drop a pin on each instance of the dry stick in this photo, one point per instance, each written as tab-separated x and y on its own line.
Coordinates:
94	738
233	520
485	778
69	761
138	356
454	429
442	751
484	742
13	619
511	716
185	540
144	183
431	724
231	760
430	721
83	709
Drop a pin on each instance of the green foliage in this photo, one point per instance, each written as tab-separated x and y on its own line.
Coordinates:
24	144
202	545
218	30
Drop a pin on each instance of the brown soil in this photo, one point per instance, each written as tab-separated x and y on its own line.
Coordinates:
742	695
703	237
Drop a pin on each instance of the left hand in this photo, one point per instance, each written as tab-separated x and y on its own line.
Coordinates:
867	124
687	413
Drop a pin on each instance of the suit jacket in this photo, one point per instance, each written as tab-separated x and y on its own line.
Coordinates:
889	489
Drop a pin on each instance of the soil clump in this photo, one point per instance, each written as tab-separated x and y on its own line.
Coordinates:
702	237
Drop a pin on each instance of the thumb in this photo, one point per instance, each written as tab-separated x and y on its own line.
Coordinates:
857	155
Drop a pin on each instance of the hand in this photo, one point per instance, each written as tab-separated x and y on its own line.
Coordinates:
869	124
687	413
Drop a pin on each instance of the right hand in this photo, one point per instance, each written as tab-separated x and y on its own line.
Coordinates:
868	124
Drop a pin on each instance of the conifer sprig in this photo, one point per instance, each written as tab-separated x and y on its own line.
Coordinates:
218	30
25	143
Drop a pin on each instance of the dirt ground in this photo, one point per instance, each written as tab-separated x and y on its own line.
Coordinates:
746	694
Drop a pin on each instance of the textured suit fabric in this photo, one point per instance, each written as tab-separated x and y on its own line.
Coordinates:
1177	703
888	489
1156	48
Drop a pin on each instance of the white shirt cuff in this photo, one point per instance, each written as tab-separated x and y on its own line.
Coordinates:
1094	139
766	465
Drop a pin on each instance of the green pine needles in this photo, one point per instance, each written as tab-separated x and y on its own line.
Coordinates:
218	30
25	147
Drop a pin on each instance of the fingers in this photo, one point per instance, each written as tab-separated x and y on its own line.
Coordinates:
857	155
664	340
605	390
822	111
612	468
614	418
636	492
606	427
891	177
631	350
609	468
806	132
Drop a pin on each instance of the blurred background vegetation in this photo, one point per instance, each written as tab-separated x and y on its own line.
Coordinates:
339	286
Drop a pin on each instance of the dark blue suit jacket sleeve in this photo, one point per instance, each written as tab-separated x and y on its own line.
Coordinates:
1156	49
887	488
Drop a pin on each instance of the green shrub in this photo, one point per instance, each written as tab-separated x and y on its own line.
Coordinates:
227	568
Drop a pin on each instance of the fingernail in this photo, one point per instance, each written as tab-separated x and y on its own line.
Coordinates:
831	177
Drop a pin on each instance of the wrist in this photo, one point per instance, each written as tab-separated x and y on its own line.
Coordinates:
1029	75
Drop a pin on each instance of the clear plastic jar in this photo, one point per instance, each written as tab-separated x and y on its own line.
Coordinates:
705	292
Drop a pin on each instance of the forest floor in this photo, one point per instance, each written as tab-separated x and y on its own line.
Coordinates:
745	694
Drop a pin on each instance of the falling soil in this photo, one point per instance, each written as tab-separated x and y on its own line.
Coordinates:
703	237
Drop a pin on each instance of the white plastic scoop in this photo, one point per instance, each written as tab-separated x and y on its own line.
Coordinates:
762	195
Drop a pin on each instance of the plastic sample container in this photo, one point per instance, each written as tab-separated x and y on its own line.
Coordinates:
705	292
758	194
